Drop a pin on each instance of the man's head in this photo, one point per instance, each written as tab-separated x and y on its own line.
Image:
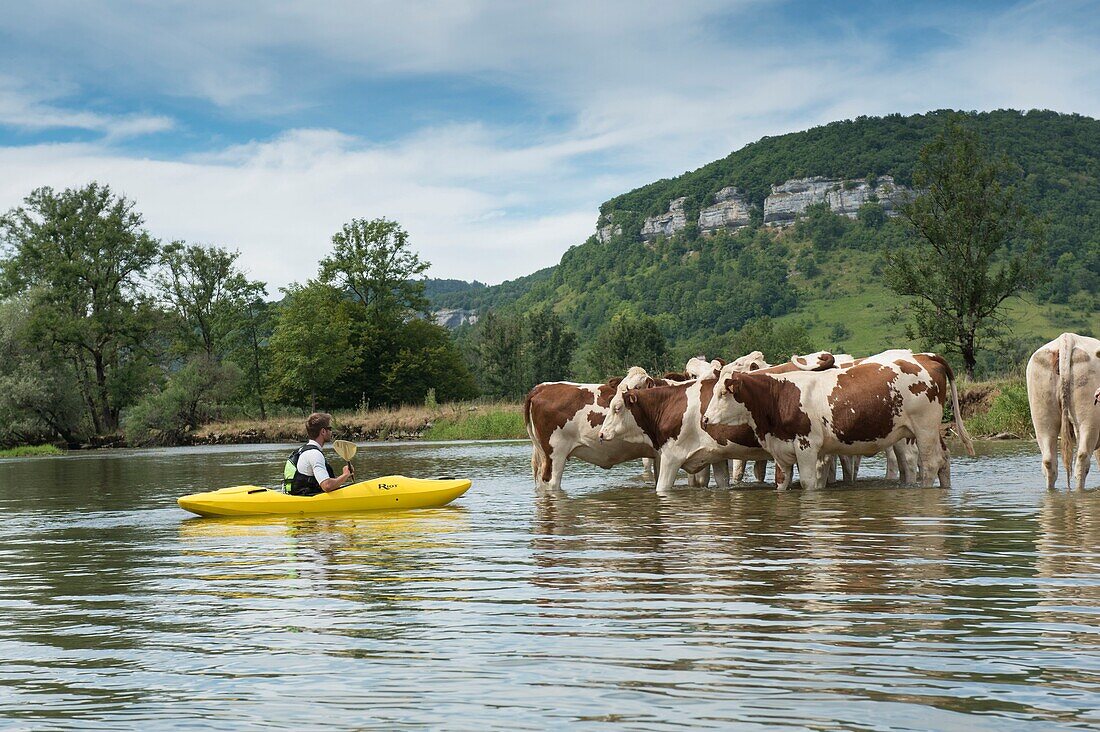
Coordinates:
317	422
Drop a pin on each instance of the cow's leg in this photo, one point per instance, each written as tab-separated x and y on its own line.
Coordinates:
1048	447
945	469
700	478
1086	442
656	469
783	473
666	474
849	467
536	464
808	474
722	474
760	470
931	455
556	469
826	470
893	472
647	469
908	460
737	470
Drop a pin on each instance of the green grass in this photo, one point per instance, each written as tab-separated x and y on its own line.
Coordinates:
489	425
31	451
1009	412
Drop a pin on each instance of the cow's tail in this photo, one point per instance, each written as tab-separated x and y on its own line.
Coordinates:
1064	384
960	428
536	449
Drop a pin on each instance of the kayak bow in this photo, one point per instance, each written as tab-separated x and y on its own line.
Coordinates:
378	494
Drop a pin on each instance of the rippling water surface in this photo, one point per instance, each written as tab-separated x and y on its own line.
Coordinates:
874	607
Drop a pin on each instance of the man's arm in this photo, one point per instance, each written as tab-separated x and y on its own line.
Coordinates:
330	484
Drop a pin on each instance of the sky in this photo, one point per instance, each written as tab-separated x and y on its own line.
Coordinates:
491	131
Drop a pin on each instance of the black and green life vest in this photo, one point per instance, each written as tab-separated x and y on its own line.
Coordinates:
300	484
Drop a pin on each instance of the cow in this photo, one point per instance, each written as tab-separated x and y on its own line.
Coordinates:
667	420
563	420
801	417
1062	381
699	367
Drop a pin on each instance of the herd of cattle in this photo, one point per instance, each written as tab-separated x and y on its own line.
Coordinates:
715	417
806	412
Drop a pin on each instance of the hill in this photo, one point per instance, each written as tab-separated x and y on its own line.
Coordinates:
794	227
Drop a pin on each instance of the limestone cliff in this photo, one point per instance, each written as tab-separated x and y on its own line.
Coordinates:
731	210
668	223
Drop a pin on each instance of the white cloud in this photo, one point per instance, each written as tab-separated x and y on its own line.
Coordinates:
646	91
279	202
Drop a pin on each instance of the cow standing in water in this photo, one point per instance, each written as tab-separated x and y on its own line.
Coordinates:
801	417
563	420
1062	381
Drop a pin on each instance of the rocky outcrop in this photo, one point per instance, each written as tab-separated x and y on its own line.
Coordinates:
788	201
668	223
731	211
452	318
606	228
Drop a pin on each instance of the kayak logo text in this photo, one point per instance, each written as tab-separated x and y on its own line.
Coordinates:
387	486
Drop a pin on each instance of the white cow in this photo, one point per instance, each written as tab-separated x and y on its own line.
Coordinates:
1062	381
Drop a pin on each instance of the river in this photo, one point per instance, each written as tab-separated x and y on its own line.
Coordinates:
602	607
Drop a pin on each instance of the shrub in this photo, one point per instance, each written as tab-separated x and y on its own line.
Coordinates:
192	397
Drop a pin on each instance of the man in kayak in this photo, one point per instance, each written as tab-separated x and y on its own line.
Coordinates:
307	473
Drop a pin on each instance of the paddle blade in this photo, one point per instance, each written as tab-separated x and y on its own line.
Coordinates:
345	449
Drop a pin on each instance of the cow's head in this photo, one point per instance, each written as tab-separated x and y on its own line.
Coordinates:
818	361
749	362
620	423
727	405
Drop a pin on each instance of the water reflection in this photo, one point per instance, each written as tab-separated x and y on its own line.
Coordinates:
874	607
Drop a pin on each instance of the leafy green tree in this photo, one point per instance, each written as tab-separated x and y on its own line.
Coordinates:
974	244
778	342
193	396
628	341
81	256
372	260
207	292
310	348
249	348
427	360
871	214
548	346
500	344
39	399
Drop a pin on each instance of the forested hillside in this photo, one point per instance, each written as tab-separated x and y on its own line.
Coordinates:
824	270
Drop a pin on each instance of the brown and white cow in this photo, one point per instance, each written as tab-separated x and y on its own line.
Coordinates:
800	417
563	420
668	421
1062	381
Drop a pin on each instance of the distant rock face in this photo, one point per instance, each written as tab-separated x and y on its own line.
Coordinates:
452	318
607	228
667	223
789	200
730	211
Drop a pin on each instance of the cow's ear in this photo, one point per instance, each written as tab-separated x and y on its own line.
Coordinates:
614	383
630	398
753	366
650	383
733	386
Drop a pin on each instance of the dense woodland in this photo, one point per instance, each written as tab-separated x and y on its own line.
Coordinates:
111	336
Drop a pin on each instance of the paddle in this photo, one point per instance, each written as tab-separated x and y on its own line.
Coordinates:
347	451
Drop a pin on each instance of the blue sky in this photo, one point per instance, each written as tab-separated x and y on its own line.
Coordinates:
491	130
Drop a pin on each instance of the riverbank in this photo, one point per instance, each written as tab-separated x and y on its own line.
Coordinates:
996	409
465	421
31	451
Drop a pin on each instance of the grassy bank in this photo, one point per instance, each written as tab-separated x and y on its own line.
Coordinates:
996	408
493	421
31	451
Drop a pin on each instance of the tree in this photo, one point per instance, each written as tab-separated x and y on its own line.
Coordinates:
548	346
310	349
207	292
628	341
192	397
974	244
500	344
778	342
39	399
250	347
426	359
80	256
373	261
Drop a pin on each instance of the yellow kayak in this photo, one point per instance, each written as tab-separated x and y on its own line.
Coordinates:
378	494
